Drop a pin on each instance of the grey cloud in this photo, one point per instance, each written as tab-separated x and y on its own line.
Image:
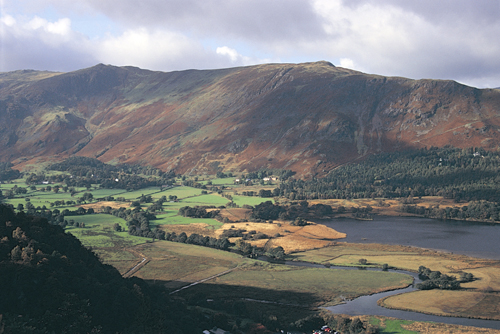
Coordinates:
256	20
481	12
30	52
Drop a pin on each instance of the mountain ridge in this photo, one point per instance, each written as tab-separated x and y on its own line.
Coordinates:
308	117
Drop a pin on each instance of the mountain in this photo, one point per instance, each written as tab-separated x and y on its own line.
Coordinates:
306	117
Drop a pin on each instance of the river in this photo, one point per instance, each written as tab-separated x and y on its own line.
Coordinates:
472	239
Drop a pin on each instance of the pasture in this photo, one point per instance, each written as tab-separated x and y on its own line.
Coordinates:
328	286
178	264
448	303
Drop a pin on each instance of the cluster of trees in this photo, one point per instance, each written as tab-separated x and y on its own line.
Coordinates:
262	193
138	222
282	174
476	210
222	175
244	234
437	280
7	173
459	174
12	192
198	212
336	323
84	172
73	291
268	211
55	216
81	166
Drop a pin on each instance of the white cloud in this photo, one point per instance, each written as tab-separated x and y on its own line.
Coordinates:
226	51
141	48
7	20
237	58
347	63
165	51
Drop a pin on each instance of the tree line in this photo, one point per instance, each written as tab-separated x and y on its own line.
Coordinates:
269	211
459	174
476	210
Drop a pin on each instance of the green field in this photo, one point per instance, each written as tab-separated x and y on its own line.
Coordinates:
99	220
391	326
98	231
171	218
224	181
180	192
249	200
209	199
136	194
101	193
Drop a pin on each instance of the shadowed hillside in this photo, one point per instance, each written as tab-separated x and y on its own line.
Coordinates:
52	284
307	117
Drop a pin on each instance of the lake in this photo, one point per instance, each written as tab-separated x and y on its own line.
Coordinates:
473	239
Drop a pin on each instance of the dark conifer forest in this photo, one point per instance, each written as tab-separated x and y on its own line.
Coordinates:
460	174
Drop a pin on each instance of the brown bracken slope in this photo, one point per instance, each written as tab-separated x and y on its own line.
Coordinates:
306	117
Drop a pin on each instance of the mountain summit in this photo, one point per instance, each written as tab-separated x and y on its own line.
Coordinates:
307	117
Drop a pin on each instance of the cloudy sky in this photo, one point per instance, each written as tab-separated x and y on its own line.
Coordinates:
440	39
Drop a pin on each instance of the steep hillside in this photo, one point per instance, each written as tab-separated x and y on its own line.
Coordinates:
52	284
307	117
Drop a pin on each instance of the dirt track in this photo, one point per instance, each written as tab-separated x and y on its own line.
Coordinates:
144	260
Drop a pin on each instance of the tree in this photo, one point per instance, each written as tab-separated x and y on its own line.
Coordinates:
20	207
299	222
182	237
356	326
277	253
16	253
223	243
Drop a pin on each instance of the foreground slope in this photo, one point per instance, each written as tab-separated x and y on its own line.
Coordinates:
307	117
52	284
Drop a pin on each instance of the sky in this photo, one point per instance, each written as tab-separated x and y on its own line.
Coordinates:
435	39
